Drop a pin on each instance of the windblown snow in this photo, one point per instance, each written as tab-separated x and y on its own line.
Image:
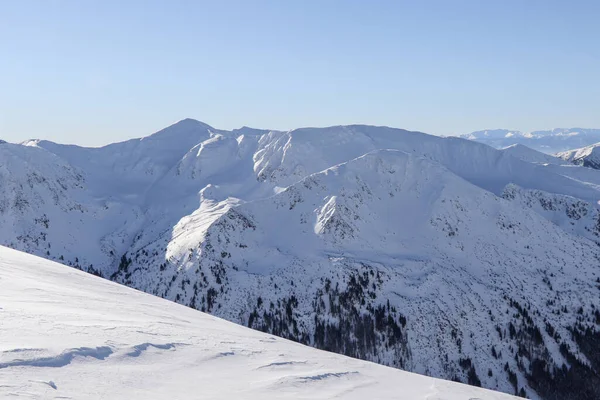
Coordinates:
441	256
68	335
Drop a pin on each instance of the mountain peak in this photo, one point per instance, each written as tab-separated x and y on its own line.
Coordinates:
189	123
357	239
185	128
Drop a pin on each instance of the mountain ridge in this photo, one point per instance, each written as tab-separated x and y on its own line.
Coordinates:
388	245
587	156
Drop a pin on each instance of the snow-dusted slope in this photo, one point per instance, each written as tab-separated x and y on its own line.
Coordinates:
395	259
437	255
129	193
556	165
587	156
527	154
69	335
127	168
550	141
48	208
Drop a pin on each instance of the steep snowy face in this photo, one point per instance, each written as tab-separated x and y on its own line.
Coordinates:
587	156
225	161
550	141
395	259
286	157
438	255
66	334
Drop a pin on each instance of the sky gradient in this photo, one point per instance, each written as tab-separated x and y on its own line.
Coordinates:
94	72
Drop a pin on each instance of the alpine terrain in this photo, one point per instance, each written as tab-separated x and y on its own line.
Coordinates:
549	141
68	335
441	256
588	156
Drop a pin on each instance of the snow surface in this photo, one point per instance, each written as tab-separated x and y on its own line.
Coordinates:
88	206
528	154
565	164
397	247
68	335
588	156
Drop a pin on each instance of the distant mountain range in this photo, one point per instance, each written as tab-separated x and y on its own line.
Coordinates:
550	141
441	256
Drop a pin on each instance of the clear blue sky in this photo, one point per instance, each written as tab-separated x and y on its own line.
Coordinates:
96	71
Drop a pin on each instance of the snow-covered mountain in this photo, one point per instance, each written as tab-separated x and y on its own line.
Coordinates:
588	156
69	335
549	141
441	256
528	154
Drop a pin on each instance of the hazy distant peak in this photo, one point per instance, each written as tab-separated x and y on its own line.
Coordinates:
547	141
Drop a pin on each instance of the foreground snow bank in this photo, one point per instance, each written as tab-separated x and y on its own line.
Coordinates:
67	334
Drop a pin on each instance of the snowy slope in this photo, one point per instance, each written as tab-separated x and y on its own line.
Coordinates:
66	334
136	191
555	165
525	153
565	167
396	257
437	255
127	168
587	156
549	141
47	208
